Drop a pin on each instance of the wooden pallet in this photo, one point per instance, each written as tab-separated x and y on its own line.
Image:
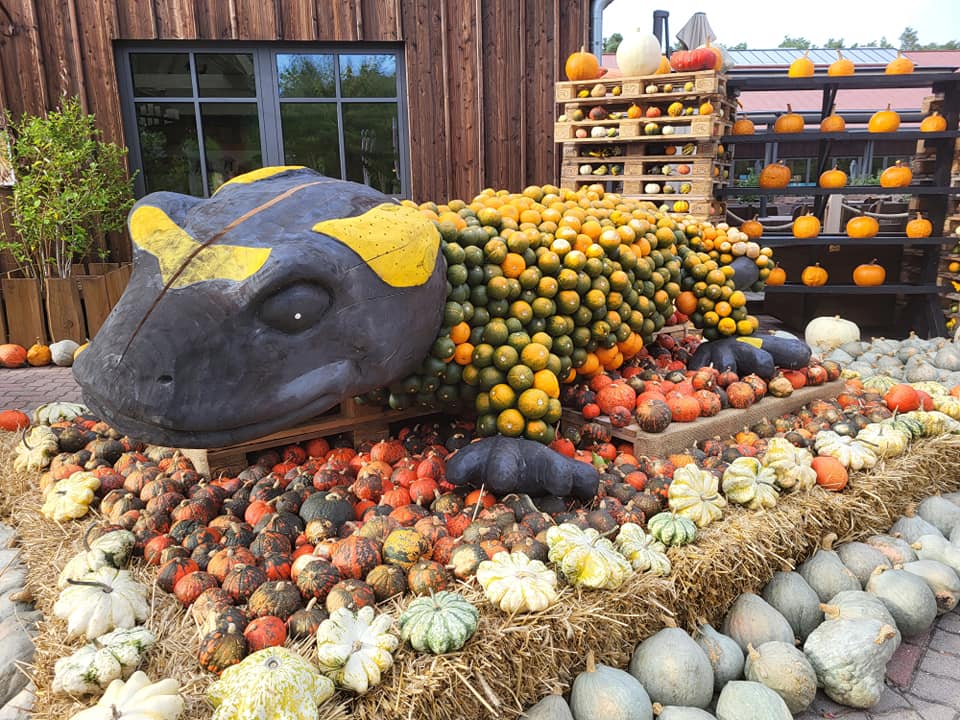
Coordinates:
654	168
680	436
683	127
702	148
705	82
359	422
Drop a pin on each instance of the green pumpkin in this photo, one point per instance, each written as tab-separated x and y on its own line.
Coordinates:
672	529
440	623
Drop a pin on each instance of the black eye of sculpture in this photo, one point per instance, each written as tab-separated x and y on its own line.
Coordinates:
295	308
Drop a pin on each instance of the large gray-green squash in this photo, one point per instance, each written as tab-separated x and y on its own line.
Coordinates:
953	497
722	651
753	621
897	550
793	598
673	669
862	559
744	700
911	526
940	513
826	573
936	547
908	598
850	659
604	693
785	670
859	605
552	707
941	579
675	712
955	536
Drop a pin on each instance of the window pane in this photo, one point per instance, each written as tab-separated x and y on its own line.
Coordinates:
168	147
310	136
306	76
370	137
231	140
225	75
161	74
368	76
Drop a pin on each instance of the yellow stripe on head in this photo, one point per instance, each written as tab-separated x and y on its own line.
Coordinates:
259	174
152	230
397	242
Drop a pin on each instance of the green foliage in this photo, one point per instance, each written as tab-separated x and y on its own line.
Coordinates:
611	43
833	44
72	188
800	43
909	39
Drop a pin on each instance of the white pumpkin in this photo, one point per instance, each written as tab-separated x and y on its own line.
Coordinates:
52	412
36	449
70	499
791	464
851	453
62	352
638	54
355	649
645	552
516	584
747	482
111	549
94	666
137	699
585	558
884	439
695	494
823	334
101	601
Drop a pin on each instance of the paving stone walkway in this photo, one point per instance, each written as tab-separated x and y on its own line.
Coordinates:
26	388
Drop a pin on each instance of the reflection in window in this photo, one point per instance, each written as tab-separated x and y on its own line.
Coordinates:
161	75
225	75
231	140
372	76
169	151
311	137
370	139
306	76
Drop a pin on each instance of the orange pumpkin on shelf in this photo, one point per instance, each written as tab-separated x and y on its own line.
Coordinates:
896	176
806	227
775	175
583	65
841	66
833	123
801	67
884	121
777	276
862	227
814	276
835	178
869	274
919	227
788	122
900	65
744	126
753	229
934	122
634	111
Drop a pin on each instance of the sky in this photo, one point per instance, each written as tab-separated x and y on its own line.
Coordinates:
763	25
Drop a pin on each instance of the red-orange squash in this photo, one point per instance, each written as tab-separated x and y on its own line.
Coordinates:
831	474
13	420
264	632
12	355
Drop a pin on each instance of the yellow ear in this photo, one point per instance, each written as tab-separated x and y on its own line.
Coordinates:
152	230
258	174
397	242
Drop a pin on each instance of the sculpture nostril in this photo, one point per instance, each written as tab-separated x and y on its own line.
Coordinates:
165	379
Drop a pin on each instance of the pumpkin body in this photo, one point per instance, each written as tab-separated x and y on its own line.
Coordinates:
900	65
833	123
896	550
752	621
355	556
935	122
785	670
39	355
351	594
695	494
743	700
788	122
725	656
744	126
862	226
438	624
941	579
801	67
585	558
107	599
644	552
775	175
673	669
869	275
221	648
841	66
919	227
909	599
516	584
355	649
834	178
280	598
826	574
884	121
897	175
606	693
792	597
654	416
404	547
137	698
672	529
777	276
265	632
582	65
93	667
747	482
638	54
861	559
12	355
814	276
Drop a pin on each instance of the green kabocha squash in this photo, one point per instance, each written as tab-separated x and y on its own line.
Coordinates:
785	670
826	573
908	598
552	707
440	623
645	553
675	712
858	604
725	656
940	513
672	529
791	595
604	693
673	669
752	621
941	579
112	549
275	683
744	700
862	559
896	550
94	666
747	482
695	494
585	558
355	649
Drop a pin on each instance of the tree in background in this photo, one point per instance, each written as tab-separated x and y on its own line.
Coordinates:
909	39
800	43
611	43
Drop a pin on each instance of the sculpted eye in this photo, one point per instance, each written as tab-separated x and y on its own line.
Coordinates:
295	308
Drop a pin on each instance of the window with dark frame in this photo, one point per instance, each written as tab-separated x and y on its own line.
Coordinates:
196	117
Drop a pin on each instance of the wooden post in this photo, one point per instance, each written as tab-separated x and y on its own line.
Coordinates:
24	311
64	312
96	301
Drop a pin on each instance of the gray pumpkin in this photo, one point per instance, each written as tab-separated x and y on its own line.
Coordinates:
722	651
896	550
826	573
552	707
859	605
785	670
941	579
753	621
673	669
911	527
941	513
675	712
862	559
605	693
744	700
793	598
908	598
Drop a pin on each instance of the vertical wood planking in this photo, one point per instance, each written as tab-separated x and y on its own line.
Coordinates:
502	76
3	320
176	19
23	63
538	80
136	19
97	25
66	316
298	19
59	41
337	20
21	300
96	302
216	19
464	145
380	20
257	20
573	29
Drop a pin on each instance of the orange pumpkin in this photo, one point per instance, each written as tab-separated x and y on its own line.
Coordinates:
753	229
884	121
862	226
39	355
13	420
814	276
583	66
634	111
833	123
896	176
664	67
834	178
706	108
788	122
12	355
841	66
919	227
869	274
831	474
900	65
777	276
744	126
775	175
806	227
934	122
802	66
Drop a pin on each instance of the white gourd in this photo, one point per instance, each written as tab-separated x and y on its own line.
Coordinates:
137	699
673	669
851	453
62	352
747	482
941	579
745	700
36	449
516	584
355	649
695	494
52	412
792	597
862	559
908	598
586	558
791	464
644	552
884	439
638	54
93	667
722	651
100	601
825	333
826	573
112	549
785	670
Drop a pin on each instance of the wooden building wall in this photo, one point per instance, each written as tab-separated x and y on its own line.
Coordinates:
480	73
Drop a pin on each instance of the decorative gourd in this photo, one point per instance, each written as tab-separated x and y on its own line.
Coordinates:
98	602
900	65
814	276
744	700
801	67
753	229
280	598
833	123
583	65
934	122
604	693
790	595
12	355
777	276
747	482
355	649
937	547
725	656
672	529
850	659
940	513
788	122
884	121
694	494
896	550
638	54
137	699
862	227
841	66
274	683
911	527
13	420
869	274
826	573
852	454
862	559
93	667
585	558
884	439
38	355
62	352
775	175
112	549
752	621
644	552
516	584
438	624
833	178
221	648
744	126
790	464
895	176
785	670
404	547
673	669
825	333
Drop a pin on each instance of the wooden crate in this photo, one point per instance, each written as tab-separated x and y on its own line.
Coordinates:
687	126
702	148
704	82
700	188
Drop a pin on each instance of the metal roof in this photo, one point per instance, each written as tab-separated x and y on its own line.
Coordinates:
820	56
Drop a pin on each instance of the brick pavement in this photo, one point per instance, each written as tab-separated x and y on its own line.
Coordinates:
923	677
